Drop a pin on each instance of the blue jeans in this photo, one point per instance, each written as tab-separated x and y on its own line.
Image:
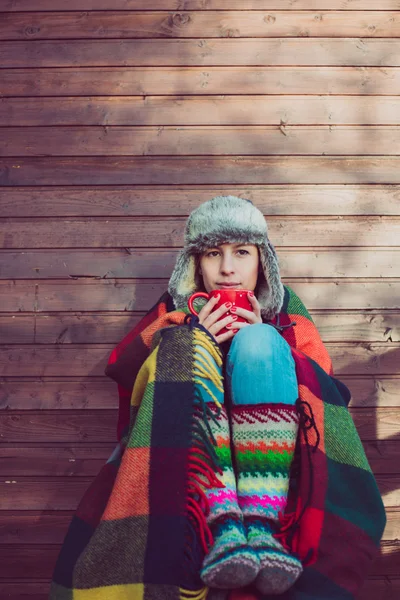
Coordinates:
259	368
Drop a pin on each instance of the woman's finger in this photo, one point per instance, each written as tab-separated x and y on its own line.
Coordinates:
249	315
217	314
255	303
208	308
216	327
237	325
224	336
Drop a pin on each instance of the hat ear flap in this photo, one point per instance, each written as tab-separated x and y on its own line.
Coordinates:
270	288
182	283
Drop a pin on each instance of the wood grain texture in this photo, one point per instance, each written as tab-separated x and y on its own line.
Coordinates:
125	295
283	199
364	52
66	393
378	588
220	110
132	81
49	527
86	328
38	561
240	5
198	24
118	117
96	426
60	460
69	392
82	460
83	360
329	262
103	170
168	232
201	141
52	493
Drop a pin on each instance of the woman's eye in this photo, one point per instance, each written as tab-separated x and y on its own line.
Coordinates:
212	253
243	252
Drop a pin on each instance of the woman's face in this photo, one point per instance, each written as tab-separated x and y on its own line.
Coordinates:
230	266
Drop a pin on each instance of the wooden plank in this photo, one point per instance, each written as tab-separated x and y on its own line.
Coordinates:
95	426
87	328
17	298
38	561
28	562
168	232
357	326
94	393
123	5
152	263
198	170
172	5
17	331
383	457
32	527
49	527
198	24
65	393
283	110
99	328
384	588
67	328
74	460
377	423
373	391
194	52
60	493
25	590
201	141
283	199
133	81
60	394
43	493
54	461
115	295
90	361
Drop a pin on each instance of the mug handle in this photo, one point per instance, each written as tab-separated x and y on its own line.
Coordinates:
193	297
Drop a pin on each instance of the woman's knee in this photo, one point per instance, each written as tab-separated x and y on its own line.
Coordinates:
260	365
258	340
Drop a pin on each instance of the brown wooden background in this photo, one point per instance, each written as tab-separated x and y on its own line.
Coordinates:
117	118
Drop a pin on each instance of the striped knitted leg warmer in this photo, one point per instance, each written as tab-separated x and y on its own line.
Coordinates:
264	438
230	562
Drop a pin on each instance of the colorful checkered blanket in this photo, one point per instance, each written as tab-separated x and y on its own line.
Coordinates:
140	533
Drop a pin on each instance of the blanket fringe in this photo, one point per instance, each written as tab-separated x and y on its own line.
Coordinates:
203	466
193	594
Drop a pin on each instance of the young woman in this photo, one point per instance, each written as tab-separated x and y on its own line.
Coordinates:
239	473
227	246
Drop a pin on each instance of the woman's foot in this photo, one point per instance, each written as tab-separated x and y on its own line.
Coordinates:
231	563
278	569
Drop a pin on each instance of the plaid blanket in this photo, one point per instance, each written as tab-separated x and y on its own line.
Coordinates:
139	532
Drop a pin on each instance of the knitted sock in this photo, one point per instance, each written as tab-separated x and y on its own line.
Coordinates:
264	438
230	562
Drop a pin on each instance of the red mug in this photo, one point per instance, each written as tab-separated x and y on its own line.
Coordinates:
237	297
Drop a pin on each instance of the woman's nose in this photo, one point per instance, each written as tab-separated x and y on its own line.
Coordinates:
227	265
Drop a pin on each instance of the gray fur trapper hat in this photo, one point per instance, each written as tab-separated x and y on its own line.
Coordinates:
227	219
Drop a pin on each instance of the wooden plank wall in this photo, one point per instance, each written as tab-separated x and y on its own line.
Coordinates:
117	118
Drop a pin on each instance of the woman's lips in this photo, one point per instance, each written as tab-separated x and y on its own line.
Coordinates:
228	285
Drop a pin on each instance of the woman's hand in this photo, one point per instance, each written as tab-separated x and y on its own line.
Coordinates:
251	317
213	322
